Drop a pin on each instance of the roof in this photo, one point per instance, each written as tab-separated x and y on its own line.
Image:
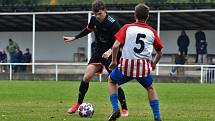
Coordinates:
189	20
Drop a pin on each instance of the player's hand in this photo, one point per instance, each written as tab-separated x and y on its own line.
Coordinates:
68	39
112	65
107	54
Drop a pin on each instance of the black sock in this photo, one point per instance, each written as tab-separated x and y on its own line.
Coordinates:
121	98
82	91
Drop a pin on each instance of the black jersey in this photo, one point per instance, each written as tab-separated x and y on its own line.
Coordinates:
104	33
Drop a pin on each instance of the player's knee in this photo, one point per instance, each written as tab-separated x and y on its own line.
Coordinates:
87	78
111	81
150	88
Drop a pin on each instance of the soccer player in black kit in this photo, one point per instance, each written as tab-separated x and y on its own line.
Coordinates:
104	27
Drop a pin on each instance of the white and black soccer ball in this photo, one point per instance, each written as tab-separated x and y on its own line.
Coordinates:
86	110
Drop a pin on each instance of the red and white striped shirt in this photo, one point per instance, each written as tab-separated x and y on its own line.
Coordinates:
138	39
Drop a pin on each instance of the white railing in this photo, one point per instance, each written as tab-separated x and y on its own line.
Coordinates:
41	64
203	70
207	72
209	75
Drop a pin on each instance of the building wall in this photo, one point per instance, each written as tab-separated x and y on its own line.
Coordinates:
169	39
49	46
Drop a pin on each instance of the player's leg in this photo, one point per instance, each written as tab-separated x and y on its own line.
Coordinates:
121	94
152	96
89	73
112	89
84	85
113	93
154	102
116	78
121	98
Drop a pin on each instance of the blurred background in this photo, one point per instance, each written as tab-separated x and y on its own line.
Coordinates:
39	25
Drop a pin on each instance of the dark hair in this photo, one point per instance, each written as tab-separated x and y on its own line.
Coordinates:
10	40
98	5
141	11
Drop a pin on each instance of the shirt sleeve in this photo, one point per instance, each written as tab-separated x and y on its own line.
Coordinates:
91	24
121	34
116	27
88	29
157	42
83	33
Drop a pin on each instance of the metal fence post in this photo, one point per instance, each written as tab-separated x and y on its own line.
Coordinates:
11	71
56	72
201	74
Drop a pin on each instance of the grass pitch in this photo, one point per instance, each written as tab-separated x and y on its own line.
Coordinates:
49	101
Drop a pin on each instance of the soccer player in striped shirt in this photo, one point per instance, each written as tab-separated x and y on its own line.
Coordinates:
104	27
138	40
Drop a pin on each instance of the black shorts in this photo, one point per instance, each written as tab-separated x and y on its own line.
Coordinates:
102	62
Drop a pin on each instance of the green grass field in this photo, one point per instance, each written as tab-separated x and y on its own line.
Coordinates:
49	101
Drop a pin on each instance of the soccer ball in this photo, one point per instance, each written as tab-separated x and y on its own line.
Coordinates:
86	110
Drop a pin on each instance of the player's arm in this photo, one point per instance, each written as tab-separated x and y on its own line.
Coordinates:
115	28
156	59
158	48
115	50
81	34
120	39
107	54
